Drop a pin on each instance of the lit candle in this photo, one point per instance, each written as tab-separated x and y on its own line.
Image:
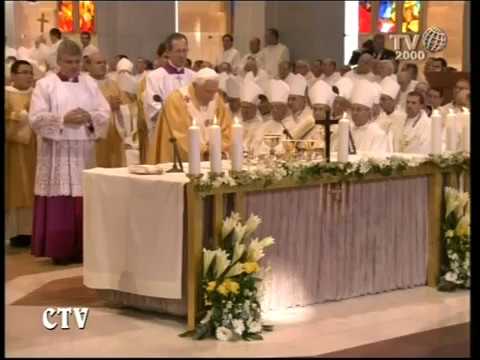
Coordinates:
465	116
451	131
436	132
236	151
343	130
194	149
215	147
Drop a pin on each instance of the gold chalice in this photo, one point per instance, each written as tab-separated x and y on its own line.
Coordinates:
290	147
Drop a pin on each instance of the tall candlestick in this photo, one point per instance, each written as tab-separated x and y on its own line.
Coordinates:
215	147
236	152
436	132
194	149
343	129
452	136
465	116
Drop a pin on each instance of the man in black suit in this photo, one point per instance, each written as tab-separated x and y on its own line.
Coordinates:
379	51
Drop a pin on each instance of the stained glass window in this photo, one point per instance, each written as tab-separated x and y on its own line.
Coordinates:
387	17
65	16
87	16
411	16
365	16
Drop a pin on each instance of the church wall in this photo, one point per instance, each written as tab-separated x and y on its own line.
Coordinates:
466	37
249	22
134	28
311	29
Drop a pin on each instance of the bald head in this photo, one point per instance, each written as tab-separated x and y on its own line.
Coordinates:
365	64
97	65
254	45
385	68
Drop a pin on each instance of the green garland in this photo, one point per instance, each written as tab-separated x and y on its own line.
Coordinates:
305	172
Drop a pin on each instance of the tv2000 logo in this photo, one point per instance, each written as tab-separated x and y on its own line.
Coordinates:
434	40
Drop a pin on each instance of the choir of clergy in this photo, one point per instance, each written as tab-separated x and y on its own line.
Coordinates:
77	120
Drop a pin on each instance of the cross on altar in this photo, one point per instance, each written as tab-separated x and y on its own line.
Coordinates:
327	123
42	22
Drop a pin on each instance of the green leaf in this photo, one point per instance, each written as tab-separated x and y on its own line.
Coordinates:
188	333
255	337
268	328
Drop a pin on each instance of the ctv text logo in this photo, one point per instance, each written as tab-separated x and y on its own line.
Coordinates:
80	316
433	40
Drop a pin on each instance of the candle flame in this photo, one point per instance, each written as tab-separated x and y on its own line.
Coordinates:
344	114
215	120
451	112
466	111
435	113
236	120
194	122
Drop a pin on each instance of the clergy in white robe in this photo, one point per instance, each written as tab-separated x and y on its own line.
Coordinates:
329	72
366	134
301	121
415	134
274	52
343	88
250	116
390	119
363	71
285	72
407	85
20	151
254	53
229	55
88	47
458	102
234	87
68	113
321	97
278	96
164	80
56	39
253	72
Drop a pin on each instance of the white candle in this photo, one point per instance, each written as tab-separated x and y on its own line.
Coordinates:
236	151
465	116
451	131
436	132
215	147
194	149
343	130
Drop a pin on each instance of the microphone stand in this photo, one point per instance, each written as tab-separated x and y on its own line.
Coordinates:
177	161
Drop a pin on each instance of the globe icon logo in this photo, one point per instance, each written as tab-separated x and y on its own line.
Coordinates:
434	39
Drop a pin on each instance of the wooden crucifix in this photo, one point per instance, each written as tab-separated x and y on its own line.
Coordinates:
327	123
42	20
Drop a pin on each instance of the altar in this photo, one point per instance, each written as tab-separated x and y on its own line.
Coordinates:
335	238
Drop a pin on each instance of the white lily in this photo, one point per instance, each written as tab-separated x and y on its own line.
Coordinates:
238	251
268	241
208	256
238	326
239	233
235	270
207	317
463	226
223	333
221	262
252	224
229	224
451	276
255	251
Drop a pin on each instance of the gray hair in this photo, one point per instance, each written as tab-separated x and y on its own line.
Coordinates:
68	47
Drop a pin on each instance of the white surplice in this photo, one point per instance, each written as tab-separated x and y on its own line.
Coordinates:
259	58
415	134
370	137
332	79
392	125
162	82
230	56
274	55
402	95
251	137
64	152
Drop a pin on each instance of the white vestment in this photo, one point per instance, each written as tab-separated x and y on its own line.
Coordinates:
371	138
415	134
392	125
274	55
231	56
355	77
51	58
252	138
10	52
63	151
160	84
259	58
332	79
402	95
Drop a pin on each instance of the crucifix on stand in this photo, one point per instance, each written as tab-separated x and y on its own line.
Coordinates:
327	123
42	20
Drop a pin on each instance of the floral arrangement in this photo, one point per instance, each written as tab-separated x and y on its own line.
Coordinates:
231	284
307	171
457	240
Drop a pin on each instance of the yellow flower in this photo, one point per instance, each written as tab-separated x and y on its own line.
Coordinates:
232	286
251	267
222	289
211	286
